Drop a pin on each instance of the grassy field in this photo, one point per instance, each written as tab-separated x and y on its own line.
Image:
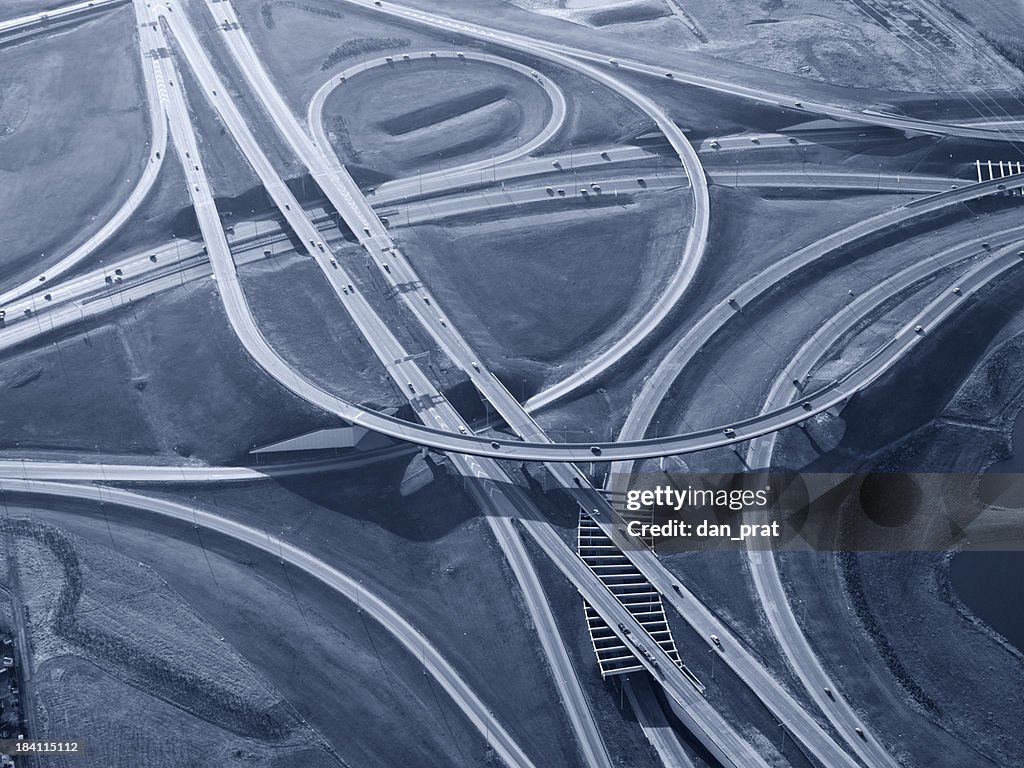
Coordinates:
438	113
113	647
599	268
305	322
165	376
72	138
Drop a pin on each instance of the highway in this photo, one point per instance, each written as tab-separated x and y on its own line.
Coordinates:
653	388
172	264
414	641
492	486
152	78
770	588
763	566
676	75
345	195
354	208
62	13
651	717
428	403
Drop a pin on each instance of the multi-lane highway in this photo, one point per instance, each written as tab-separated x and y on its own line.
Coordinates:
398	271
55	15
731	87
763	567
769	586
426	401
444	428
492	485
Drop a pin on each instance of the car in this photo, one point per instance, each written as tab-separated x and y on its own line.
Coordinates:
377	3
954	186
584	191
433	55
28	311
828	692
443	323
387	268
1001	186
716	641
754	140
108	279
388	59
613	62
351	288
366	230
320	246
985	246
641	182
462	429
476	365
799	105
596	450
197	187
461	55
406	57
426	300
1020	254
956	290
807	405
495	444
334	262
411	387
677	589
715	145
919	330
792	140
560	192
118	271
267	252
734	304
48	296
605	156
595	187
152	257
556	163
549	190
3	314
860	732
669	75
729	432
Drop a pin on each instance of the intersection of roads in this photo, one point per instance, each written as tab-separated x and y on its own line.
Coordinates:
832	733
